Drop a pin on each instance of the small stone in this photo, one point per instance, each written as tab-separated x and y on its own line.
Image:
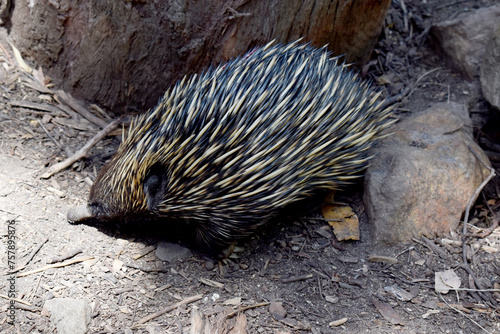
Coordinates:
170	252
277	310
70	316
209	265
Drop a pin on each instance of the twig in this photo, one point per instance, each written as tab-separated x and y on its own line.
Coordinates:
421	77
40	106
431	246
237	14
62	148
435	248
188	300
146	270
232	314
479	291
146	251
31	256
75	105
465	315
16	300
396	98
81	153
485	232
36	86
66	256
7	54
471	201
56	265
405	15
465	264
296	278
29	308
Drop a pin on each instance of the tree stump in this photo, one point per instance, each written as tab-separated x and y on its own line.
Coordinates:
124	54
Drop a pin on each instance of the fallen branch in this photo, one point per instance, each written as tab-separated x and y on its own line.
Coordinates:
81	153
185	301
56	265
246	308
75	105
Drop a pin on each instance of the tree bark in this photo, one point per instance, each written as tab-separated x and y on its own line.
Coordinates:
124	54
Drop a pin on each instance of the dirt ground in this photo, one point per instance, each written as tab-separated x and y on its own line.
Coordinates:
295	262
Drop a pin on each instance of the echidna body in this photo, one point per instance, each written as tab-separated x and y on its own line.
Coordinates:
226	149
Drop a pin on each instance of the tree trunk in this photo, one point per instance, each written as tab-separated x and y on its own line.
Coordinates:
124	54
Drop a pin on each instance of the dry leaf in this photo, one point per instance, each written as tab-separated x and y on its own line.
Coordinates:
20	61
489	249
444	281
388	312
491	202
117	265
343	220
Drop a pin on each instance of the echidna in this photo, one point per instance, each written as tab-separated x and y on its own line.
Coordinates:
226	149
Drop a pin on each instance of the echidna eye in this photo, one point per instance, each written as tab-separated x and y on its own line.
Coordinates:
154	187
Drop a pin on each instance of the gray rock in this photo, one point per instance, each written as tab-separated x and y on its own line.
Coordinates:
170	252
463	40
423	175
490	70
277	310
70	316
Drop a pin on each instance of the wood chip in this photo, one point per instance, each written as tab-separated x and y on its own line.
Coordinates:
380	258
337	323
388	312
240	327
211	283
